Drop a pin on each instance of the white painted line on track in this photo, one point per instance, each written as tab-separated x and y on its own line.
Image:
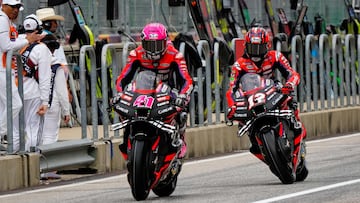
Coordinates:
305	192
334	138
186	163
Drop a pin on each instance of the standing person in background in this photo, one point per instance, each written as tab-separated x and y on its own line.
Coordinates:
10	41
37	73
59	99
50	25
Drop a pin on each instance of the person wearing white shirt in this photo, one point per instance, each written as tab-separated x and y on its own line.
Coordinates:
9	41
37	62
59	101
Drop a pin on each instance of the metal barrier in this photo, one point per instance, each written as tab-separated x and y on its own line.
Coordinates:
203	48
84	50
349	60
192	96
311	73
64	154
115	70
324	71
9	71
216	68
297	52
337	60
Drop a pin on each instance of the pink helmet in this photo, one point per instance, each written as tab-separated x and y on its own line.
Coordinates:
154	40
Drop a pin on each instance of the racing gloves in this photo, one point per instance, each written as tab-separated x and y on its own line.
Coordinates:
288	88
116	98
180	100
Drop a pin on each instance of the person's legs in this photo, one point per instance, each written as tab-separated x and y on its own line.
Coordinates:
32	123
3	112
51	127
16	107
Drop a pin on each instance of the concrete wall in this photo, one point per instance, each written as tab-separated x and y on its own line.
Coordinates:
19	171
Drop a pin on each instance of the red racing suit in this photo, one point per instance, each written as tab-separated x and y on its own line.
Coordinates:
171	62
272	60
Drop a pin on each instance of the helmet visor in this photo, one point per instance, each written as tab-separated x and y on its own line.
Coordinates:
256	49
154	46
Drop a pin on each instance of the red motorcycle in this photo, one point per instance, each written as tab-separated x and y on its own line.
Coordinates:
263	109
146	109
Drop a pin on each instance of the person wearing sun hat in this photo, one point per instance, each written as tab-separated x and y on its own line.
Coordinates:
50	24
49	18
60	105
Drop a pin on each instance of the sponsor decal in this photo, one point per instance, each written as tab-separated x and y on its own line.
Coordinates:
153	36
241	108
276	100
126	97
125	102
162	111
164	88
163	103
122	109
164	98
240	115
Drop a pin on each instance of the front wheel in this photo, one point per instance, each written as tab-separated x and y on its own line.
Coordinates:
272	155
140	178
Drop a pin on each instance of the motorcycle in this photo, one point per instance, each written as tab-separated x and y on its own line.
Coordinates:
265	114
147	110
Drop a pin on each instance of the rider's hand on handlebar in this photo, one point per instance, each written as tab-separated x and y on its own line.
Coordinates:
288	88
180	100
116	98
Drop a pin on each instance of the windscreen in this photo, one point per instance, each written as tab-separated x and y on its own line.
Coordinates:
250	81
146	80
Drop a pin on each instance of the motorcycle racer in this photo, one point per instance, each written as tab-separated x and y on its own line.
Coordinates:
157	53
259	59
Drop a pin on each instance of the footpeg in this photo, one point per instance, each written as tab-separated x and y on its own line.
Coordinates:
177	142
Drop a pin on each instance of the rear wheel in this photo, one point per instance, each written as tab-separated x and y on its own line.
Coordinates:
140	178
272	156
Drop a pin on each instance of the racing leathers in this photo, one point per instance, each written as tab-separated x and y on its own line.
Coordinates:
272	60
170	68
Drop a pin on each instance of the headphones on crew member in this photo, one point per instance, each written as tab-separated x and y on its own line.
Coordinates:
47	24
38	26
